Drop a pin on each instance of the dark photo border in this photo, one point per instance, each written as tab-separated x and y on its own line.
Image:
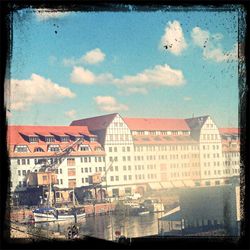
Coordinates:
7	8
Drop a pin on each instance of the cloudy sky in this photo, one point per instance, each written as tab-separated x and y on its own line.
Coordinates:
73	65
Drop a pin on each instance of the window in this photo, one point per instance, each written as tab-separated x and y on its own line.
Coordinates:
49	139
111	178
128	158
54	148
86	170
21	149
110	149
18	162
128	149
71	171
23	162
19	172
100	169
61	181
125	177
115	149
117	178
86	179
24	172
38	149
124	168
84	148
60	171
71	161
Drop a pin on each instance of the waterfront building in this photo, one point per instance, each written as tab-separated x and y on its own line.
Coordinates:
131	154
31	146
164	153
116	138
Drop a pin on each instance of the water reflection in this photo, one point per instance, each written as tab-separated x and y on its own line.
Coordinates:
104	226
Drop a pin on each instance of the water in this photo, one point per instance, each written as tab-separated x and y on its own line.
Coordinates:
105	226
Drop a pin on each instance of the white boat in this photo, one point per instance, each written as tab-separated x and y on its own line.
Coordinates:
49	214
143	212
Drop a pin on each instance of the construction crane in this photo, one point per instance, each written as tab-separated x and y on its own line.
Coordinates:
47	168
97	178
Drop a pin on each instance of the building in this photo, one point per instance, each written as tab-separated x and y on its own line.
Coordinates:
31	146
164	153
131	154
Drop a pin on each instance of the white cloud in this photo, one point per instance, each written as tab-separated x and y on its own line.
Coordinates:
81	75
94	56
200	37
161	75
210	44
173	38
71	113
45	14
24	93
109	104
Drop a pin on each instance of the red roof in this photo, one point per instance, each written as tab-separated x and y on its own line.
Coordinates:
229	130
161	124
95	123
14	136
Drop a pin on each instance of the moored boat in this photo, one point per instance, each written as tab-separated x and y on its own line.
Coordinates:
49	214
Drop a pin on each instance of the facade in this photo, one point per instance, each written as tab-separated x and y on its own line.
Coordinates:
164	153
131	154
30	146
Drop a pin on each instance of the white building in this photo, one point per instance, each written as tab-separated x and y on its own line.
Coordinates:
132	154
30	146
162	153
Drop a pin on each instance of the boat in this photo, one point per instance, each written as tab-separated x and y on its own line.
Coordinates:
153	205
51	214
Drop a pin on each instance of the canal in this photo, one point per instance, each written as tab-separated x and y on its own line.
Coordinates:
105	226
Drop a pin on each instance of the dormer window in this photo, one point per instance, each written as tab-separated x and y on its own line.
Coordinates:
84	148
49	139
92	139
38	149
98	149
33	139
54	148
21	149
64	138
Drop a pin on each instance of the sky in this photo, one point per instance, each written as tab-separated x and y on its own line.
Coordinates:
73	65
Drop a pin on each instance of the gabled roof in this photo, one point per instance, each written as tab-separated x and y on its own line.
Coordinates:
95	123
159	124
196	123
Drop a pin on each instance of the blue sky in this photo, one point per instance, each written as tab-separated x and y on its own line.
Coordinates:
68	66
